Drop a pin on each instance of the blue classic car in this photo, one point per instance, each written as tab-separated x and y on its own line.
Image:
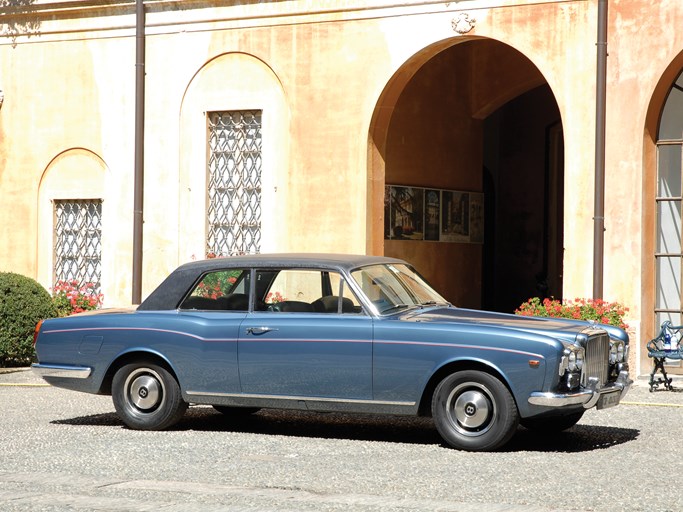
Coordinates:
358	334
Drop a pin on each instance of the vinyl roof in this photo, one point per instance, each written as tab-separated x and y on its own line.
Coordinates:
346	261
170	291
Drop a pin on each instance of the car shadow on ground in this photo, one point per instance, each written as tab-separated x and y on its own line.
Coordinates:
391	429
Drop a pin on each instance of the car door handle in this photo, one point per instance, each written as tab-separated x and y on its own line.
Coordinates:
259	330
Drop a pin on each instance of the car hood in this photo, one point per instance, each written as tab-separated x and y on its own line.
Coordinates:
558	328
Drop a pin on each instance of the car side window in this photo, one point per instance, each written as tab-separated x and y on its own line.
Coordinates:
222	290
307	291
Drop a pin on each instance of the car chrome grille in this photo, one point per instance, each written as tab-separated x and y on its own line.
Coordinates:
596	363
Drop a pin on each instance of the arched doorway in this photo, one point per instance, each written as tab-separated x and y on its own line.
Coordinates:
467	148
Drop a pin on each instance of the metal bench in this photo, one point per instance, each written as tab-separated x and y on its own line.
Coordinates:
667	345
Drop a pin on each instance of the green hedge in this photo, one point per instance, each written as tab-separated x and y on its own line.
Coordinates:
23	302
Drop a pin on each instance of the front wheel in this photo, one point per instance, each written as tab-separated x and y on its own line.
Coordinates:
147	397
474	411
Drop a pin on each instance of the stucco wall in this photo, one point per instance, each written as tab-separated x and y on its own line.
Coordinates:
330	74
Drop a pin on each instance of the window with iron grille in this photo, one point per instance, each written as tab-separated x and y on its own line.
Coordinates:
234	202
78	241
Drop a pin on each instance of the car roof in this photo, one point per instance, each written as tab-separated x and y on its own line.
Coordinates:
345	261
169	293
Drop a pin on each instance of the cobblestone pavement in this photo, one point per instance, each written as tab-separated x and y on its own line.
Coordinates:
67	451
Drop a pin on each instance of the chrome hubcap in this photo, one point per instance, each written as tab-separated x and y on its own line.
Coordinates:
145	389
471	410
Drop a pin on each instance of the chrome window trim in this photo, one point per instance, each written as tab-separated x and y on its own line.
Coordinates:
299	398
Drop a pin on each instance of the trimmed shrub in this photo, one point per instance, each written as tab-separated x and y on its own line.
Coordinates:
23	302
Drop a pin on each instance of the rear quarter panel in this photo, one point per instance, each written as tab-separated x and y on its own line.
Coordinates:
200	348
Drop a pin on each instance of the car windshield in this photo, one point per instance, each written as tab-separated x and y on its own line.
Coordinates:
394	287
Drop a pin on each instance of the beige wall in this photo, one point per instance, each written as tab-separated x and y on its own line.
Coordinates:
328	75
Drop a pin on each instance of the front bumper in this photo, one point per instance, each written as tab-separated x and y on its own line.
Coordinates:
47	371
588	396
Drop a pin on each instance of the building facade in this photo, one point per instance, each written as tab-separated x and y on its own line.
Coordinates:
457	135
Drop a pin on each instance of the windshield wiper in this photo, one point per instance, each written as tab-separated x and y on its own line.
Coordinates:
396	306
434	303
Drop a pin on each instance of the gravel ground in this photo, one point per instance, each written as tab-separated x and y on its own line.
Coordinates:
62	450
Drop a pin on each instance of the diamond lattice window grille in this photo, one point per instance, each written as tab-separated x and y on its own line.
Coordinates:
235	165
78	241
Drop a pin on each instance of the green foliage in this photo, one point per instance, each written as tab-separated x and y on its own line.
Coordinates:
609	313
23	302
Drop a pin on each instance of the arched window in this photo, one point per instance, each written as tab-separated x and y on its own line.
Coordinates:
669	254
71	220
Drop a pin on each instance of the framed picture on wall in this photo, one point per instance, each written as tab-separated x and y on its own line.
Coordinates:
406	213
455	216
432	214
476	218
414	213
387	212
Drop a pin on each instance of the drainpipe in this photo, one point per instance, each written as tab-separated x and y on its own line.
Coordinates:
139	180
600	104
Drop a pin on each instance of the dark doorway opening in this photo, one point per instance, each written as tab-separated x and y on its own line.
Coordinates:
523	185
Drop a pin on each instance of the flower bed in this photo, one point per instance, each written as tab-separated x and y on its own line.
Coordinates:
70	297
610	313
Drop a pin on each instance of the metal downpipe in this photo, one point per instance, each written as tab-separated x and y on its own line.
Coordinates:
600	115
139	187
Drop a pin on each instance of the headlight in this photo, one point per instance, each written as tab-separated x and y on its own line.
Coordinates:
571	364
616	352
573	359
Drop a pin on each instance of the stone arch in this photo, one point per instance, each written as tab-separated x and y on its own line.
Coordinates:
470	78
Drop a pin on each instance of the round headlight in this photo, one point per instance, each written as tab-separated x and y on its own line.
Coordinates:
579	359
572	361
613	353
620	352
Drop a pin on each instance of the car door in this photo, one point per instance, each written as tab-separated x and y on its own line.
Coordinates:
308	338
212	314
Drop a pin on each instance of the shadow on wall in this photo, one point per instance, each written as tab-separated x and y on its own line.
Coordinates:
19	19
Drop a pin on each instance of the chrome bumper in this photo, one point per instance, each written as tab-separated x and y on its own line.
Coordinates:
58	371
588	397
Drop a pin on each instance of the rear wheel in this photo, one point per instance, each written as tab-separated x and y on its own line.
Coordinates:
147	397
474	411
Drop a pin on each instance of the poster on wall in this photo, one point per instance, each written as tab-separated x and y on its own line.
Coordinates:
455	216
432	214
414	213
406	213
476	218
